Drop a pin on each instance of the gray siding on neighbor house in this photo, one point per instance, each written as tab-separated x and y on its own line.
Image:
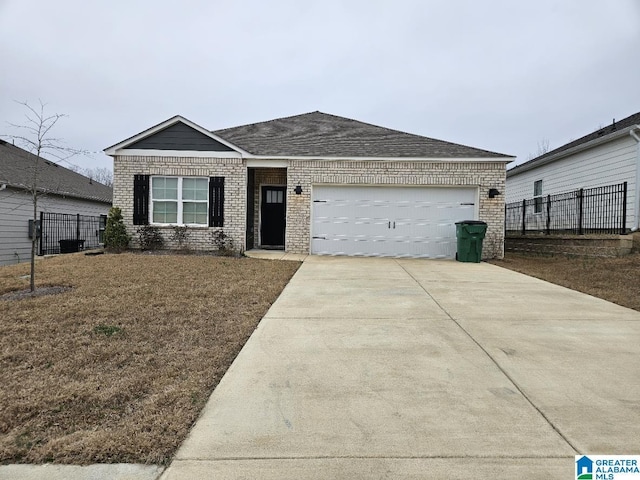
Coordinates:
15	211
179	137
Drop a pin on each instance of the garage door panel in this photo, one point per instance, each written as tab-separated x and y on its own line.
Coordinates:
389	221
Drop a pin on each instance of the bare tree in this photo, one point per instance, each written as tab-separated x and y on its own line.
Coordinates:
543	147
36	138
100	175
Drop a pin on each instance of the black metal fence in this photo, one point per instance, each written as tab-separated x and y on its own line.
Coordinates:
588	210
64	233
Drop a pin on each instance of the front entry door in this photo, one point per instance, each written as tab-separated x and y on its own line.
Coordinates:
273	214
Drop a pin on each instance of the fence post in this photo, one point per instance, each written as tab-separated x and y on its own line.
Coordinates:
580	196
77	227
624	209
548	214
524	213
41	231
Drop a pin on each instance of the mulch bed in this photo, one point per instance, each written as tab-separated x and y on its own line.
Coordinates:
38	292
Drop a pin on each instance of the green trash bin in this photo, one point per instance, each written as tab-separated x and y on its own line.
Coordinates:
470	234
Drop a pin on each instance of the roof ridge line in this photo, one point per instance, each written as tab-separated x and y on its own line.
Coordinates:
584	139
268	121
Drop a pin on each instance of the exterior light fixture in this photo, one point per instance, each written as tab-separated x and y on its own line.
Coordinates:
493	192
298	190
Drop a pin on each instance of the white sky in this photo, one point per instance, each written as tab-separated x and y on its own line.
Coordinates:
501	75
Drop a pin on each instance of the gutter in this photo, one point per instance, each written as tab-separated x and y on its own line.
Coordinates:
636	208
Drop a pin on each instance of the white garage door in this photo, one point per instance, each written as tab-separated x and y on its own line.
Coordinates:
389	221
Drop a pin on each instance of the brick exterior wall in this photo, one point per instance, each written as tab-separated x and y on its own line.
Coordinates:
200	238
314	172
307	173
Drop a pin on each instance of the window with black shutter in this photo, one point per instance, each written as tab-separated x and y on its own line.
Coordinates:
216	201
140	199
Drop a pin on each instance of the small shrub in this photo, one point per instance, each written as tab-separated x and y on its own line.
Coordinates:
181	235
224	244
150	238
116	238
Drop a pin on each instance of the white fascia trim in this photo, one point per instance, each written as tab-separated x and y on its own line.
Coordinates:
524	167
384	159
636	207
258	162
176	153
161	126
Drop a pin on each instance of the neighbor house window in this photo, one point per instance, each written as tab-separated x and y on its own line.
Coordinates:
537	196
179	200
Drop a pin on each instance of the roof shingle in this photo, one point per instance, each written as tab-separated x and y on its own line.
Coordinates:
625	123
16	170
318	134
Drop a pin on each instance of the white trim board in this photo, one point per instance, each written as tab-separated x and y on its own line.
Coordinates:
176	153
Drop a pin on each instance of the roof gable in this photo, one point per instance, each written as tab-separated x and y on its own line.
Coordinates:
16	170
175	134
318	134
180	136
615	130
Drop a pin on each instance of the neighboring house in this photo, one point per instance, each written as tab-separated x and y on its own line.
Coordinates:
312	183
61	191
608	156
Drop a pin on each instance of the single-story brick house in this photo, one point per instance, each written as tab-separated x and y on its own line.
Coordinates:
312	183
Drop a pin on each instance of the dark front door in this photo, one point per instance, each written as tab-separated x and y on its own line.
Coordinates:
273	214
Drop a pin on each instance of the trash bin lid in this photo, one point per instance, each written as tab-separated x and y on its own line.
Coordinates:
471	222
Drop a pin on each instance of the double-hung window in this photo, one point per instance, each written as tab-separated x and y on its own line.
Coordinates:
179	200
537	196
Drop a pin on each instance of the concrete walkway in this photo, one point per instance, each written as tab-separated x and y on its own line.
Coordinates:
382	368
275	255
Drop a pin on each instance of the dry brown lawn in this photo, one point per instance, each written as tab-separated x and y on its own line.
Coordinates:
613	279
117	368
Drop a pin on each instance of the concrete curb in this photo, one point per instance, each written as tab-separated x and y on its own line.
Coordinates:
115	471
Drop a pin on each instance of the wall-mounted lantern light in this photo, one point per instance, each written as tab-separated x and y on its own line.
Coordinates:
493	192
298	190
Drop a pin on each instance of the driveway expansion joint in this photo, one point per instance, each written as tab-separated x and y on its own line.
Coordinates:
376	457
498	366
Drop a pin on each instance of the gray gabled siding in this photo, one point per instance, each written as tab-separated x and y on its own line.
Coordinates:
179	137
15	211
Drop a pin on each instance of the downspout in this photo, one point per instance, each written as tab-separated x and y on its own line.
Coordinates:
636	188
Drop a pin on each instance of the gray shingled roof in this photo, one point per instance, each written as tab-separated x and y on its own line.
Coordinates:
319	134
619	126
16	170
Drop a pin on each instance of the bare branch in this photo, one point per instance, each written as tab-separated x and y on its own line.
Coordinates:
37	140
543	147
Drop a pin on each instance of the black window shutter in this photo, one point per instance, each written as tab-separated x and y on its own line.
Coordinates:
140	199
216	201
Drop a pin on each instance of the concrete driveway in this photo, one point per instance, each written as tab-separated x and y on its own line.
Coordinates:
382	368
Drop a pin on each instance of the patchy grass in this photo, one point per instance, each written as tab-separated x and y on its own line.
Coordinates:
118	367
613	279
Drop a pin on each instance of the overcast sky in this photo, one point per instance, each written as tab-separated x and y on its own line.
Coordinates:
498	75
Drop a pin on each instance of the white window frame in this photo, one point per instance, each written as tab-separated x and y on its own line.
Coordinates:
180	202
537	198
